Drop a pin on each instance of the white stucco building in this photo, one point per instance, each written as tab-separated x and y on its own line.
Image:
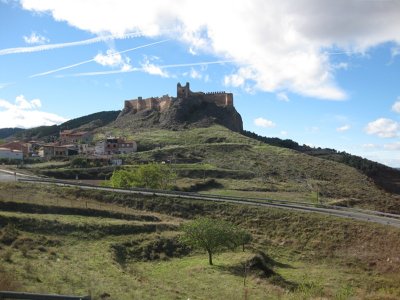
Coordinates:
10	154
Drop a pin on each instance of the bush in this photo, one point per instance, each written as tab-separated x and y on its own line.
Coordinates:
212	235
154	176
9	234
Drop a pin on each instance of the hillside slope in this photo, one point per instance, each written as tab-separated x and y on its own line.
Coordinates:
76	242
384	176
6	132
241	164
89	122
183	113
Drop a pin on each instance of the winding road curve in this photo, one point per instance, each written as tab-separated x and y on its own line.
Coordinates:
344	212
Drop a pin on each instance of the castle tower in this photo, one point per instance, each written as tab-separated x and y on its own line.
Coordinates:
182	91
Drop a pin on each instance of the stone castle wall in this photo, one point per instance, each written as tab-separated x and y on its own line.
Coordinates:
183	92
220	98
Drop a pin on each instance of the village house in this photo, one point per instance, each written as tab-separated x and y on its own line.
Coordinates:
85	149
71	137
55	150
112	146
25	148
6	153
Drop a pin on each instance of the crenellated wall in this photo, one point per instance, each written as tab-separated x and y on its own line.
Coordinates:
182	92
220	98
153	103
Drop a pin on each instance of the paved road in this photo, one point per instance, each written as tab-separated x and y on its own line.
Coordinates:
356	214
7	177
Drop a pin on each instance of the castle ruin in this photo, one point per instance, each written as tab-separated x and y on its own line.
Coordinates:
182	92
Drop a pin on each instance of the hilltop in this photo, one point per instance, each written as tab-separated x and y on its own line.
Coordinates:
201	136
244	166
71	241
48	133
385	177
6	132
187	110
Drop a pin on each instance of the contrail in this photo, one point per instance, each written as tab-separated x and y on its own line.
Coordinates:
218	62
68	44
340	53
99	73
142	69
5	84
90	60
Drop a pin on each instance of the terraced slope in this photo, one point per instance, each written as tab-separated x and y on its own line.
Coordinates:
127	247
241	165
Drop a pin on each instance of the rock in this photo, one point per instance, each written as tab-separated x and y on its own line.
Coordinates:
192	110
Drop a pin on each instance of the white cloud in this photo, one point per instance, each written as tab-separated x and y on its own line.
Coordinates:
384	128
283	45
22	103
392	146
341	66
275	45
150	68
195	74
36	103
101	38
370	146
343	128
284	133
261	122
133	69
395	51
124	68
113	59
396	106
282	97
25	114
5	84
35	38
313	129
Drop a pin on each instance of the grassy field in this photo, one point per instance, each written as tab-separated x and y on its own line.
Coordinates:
240	166
126	246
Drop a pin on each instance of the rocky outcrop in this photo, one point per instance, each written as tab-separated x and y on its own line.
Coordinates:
183	113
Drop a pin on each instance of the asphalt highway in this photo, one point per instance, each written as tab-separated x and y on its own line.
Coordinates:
352	213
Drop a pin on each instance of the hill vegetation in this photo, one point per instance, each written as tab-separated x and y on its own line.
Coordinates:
49	133
183	113
245	166
71	241
384	176
211	158
6	132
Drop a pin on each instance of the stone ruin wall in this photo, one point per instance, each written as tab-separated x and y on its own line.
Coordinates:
158	103
183	92
219	98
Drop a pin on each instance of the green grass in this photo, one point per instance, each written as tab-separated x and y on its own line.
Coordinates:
273	169
81	267
243	166
315	256
159	137
68	219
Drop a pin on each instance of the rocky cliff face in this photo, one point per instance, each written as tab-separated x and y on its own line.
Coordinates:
183	113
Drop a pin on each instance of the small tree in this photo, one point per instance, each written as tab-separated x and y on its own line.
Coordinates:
155	176
212	235
121	179
243	238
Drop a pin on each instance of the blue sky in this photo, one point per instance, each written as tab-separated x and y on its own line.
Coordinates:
323	73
